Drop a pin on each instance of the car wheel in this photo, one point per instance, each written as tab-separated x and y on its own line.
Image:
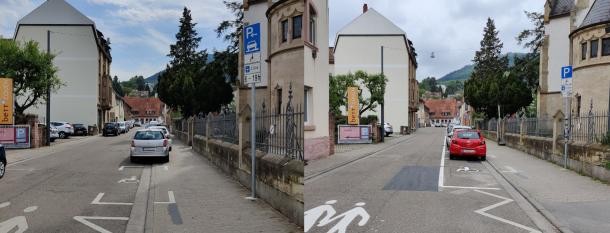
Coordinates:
451	157
166	159
2	168
387	134
132	159
483	158
62	135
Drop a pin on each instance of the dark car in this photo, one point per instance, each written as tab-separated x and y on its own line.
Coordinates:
2	161
110	128
80	130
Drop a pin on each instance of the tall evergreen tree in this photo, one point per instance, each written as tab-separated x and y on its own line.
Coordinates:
117	86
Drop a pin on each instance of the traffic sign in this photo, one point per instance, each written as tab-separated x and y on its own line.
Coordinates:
252	58
566	72
252	68
252	38
252	78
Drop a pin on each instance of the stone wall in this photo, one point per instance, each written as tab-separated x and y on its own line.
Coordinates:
279	180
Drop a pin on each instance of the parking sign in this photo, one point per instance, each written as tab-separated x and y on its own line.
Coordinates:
252	38
566	72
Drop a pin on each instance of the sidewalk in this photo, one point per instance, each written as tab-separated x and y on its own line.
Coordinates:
348	153
568	199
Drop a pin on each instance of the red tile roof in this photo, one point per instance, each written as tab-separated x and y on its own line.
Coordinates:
439	106
144	107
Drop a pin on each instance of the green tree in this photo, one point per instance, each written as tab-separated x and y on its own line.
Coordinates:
454	87
375	84
32	72
533	38
118	87
178	84
214	86
231	29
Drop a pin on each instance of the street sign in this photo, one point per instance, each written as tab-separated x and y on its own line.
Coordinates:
252	58
566	72
252	78
252	38
252	68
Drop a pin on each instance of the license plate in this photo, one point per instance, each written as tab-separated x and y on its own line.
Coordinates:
148	149
468	151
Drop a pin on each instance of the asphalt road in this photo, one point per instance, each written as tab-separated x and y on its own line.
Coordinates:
398	190
91	186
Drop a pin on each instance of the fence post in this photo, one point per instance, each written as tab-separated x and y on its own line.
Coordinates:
522	130
557	130
207	132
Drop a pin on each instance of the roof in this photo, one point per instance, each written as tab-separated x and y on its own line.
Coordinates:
561	7
55	12
145	107
362	25
599	13
438	106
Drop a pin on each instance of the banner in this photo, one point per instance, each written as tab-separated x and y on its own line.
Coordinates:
6	101
353	106
354	134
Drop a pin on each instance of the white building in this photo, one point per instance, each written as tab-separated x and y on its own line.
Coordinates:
358	47
82	58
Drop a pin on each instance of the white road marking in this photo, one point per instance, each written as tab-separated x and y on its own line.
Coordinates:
509	169
84	220
97	201
325	214
123	167
466	169
170	196
166	168
30	209
5	204
504	202
441	170
467	187
131	180
20	169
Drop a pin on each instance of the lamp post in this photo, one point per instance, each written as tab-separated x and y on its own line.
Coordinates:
382	102
48	120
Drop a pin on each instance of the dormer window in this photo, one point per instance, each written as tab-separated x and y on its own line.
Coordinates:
284	30
297	26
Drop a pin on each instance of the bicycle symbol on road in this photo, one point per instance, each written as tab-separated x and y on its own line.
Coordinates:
18	222
325	214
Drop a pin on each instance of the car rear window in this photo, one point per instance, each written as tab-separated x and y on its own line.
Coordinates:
468	135
149	135
109	125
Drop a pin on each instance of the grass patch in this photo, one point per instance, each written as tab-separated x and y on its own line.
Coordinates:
608	165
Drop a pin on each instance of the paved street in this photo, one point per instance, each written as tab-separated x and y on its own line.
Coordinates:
89	185
398	189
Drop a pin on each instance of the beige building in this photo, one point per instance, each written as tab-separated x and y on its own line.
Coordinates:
358	47
590	58
83	60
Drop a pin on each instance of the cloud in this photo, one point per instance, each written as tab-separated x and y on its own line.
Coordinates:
450	29
10	12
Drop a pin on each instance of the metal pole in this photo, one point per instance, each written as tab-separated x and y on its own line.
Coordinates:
566	132
382	103
48	94
253	140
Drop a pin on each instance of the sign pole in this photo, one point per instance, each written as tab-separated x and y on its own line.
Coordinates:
48	120
253	140
566	91
382	112
252	76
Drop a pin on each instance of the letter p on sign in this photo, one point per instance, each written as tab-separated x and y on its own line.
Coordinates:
566	72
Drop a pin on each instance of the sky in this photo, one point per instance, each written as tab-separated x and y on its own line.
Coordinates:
140	31
452	29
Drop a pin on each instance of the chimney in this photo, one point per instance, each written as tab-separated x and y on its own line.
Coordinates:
365	8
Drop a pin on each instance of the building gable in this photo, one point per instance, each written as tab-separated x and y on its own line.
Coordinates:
55	12
599	13
371	22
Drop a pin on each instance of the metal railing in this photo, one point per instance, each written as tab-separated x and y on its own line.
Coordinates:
200	126
513	125
540	127
224	127
591	127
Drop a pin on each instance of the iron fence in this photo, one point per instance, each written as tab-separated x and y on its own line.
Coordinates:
513	125
591	127
540	127
178	124
224	127
200	126
282	132
492	125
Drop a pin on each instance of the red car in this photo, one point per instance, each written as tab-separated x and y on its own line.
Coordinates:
467	143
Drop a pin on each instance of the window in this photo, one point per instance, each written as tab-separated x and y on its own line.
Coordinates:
606	47
284	31
306	103
312	26
594	46
279	101
583	49
297	26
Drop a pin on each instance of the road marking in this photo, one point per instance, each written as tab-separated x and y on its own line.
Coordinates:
131	180
5	204
466	169
325	214
84	220
123	167
503	202
30	209
171	198
441	171
509	170
467	187
166	168
97	201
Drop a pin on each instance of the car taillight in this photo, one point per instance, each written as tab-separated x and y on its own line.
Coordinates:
454	142
164	142
482	142
133	143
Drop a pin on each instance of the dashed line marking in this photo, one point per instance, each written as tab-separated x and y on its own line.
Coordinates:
503	202
468	187
123	167
98	201
170	197
84	220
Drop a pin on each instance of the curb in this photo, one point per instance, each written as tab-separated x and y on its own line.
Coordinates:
137	217
532	201
326	170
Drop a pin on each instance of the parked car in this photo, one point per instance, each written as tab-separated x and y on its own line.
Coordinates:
80	129
65	129
165	133
149	143
54	133
110	128
453	129
388	129
122	127
137	124
2	161
468	143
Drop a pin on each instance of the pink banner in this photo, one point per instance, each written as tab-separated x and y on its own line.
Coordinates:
7	135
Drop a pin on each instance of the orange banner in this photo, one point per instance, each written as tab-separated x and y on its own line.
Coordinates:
6	101
353	106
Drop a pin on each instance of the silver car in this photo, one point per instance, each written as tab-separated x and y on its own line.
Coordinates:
453	129
149	143
165	132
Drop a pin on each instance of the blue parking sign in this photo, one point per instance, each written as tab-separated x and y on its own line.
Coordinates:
252	38
566	72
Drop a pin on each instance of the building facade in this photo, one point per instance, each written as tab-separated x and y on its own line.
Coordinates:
358	47
146	109
82	57
442	111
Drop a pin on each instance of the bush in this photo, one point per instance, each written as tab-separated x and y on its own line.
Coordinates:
605	140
